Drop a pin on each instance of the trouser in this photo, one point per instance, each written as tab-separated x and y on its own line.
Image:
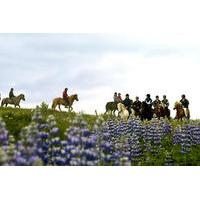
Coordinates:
67	101
129	110
187	113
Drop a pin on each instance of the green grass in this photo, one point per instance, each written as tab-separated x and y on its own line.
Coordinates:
16	119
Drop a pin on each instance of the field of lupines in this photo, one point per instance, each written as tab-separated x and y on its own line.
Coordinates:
109	142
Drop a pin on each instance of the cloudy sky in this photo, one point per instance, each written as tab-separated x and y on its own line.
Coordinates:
97	65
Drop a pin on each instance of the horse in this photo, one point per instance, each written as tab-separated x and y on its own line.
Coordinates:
60	101
123	112
14	101
136	111
112	107
180	113
146	112
161	111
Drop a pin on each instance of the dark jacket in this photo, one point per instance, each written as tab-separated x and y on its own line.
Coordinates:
11	94
165	102
148	102
156	102
137	105
185	103
128	103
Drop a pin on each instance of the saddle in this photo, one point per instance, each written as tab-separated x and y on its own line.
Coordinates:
11	99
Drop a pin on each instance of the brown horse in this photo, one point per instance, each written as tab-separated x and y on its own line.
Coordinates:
161	111
180	113
14	101
112	107
60	101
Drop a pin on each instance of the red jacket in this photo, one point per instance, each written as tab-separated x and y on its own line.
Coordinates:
65	95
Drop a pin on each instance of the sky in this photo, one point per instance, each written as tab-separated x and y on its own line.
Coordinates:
96	65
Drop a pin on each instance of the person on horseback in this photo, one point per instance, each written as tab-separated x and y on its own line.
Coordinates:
137	104
156	102
65	96
165	102
128	103
119	98
185	104
148	100
115	97
11	93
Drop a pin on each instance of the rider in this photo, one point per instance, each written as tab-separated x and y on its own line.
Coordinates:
137	104
119	98
185	104
128	103
148	100
11	93
156	102
115	97
165	101
65	96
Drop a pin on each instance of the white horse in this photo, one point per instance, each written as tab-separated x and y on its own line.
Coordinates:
122	111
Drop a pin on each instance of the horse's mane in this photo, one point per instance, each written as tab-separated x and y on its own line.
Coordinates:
121	106
178	104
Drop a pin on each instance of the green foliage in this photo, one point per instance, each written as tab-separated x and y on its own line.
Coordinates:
16	119
44	107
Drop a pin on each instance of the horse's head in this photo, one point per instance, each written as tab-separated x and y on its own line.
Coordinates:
76	97
159	107
177	105
120	107
22	97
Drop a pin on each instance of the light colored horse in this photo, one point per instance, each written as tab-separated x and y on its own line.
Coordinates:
180	113
14	101
60	101
122	111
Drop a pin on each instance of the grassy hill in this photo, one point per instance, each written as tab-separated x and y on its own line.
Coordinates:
16	118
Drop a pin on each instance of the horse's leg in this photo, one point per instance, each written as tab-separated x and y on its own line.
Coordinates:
70	109
59	107
53	106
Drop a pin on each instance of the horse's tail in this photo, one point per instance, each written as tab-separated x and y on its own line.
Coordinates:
2	102
107	108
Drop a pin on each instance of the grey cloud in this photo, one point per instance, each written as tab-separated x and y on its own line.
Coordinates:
41	65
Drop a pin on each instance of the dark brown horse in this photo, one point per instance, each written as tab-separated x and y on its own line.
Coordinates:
112	107
146	112
60	101
160	111
137	110
180	113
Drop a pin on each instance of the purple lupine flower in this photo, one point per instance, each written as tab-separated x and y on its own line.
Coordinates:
3	134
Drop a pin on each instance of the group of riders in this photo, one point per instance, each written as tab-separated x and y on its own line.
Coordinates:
144	109
152	107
